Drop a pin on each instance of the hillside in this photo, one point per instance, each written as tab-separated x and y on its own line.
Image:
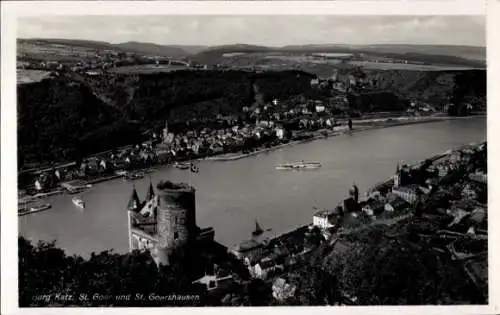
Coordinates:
60	119
57	49
152	49
441	55
435	87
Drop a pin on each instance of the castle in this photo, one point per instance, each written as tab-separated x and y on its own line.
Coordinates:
165	221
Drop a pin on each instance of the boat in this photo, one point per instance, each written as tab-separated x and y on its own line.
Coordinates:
298	165
76	190
34	209
182	166
258	230
78	202
134	176
121	173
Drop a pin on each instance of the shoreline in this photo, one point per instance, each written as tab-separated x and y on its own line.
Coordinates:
378	221
394	122
375	123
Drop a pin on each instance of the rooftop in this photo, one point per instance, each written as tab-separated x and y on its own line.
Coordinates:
168	185
248	245
325	213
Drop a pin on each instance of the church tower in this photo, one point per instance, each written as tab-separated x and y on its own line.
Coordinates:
165	132
397	177
354	193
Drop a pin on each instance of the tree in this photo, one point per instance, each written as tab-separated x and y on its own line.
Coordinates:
45	269
394	271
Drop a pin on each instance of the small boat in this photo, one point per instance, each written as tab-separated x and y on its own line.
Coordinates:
34	209
258	230
75	190
23	210
182	166
134	176
121	173
78	202
38	208
298	166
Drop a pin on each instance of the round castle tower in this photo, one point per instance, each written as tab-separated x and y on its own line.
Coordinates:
176	217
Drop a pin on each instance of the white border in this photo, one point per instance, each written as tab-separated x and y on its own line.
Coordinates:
424	7
11	10
493	77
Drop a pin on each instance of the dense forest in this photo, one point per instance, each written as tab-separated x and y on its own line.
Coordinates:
62	119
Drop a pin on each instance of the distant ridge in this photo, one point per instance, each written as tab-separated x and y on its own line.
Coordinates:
135	47
152	49
212	54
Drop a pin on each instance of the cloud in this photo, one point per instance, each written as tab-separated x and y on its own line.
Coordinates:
263	30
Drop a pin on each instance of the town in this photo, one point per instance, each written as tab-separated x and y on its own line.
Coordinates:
186	171
449	193
267	126
437	207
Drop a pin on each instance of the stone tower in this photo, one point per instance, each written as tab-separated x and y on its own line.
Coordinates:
397	177
354	192
165	132
176	218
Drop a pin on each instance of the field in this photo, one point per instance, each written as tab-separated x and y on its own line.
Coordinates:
321	62
234	54
29	76
405	66
147	69
54	52
333	55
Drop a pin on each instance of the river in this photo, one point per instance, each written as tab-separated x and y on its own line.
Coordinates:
231	195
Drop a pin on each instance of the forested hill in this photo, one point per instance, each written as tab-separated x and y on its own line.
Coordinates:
60	119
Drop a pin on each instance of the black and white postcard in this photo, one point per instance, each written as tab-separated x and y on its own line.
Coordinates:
160	155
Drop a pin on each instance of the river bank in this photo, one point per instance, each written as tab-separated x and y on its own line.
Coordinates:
231	196
363	125
359	126
391	220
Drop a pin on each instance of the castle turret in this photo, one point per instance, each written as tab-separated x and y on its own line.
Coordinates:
134	202
176	218
151	192
354	193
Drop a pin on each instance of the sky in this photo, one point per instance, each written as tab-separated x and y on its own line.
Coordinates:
261	30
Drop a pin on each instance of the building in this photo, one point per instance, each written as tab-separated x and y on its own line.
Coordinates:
215	282
280	133
354	193
479	177
373	207
325	219
443	170
320	108
265	266
247	248
165	221
396	204
351	205
408	193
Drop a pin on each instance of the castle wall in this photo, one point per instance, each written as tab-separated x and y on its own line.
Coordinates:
176	218
142	241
